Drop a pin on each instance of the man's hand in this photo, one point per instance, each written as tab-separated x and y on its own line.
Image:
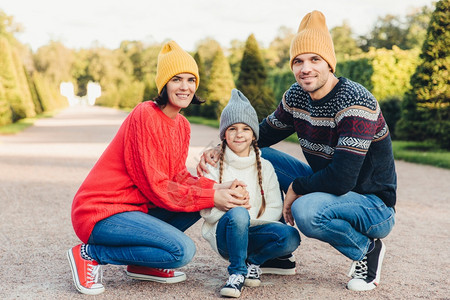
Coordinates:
290	197
210	156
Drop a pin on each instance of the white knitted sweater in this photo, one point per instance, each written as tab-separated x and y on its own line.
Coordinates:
245	169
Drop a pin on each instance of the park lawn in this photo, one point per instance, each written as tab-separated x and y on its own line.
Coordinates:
23	124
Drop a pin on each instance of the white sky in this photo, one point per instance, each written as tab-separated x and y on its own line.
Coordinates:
80	23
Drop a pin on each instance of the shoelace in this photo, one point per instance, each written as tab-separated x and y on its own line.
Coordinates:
234	280
253	271
94	272
359	269
164	270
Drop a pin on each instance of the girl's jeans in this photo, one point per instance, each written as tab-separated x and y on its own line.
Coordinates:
153	240
240	243
347	222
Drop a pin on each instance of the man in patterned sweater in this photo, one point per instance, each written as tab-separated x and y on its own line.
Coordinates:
346	195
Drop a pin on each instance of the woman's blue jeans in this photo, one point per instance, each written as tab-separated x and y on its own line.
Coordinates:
153	240
240	243
347	222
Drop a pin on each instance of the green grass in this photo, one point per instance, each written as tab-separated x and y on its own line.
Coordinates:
22	124
425	153
203	121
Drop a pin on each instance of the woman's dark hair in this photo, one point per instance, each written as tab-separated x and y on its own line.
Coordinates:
162	99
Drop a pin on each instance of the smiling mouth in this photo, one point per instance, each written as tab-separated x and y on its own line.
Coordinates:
184	96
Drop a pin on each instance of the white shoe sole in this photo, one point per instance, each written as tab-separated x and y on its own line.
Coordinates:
179	277
278	271
233	293
252	282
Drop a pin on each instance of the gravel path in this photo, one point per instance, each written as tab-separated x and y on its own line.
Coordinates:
42	168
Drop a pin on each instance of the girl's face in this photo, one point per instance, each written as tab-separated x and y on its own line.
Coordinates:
180	90
239	137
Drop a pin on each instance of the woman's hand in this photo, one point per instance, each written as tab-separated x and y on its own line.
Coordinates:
289	199
210	156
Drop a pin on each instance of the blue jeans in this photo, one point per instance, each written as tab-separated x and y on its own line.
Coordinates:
153	240
238	242
347	222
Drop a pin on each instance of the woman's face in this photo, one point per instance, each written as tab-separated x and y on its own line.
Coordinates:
180	90
239	137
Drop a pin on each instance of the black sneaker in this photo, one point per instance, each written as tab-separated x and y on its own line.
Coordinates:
233	287
284	265
252	277
366	273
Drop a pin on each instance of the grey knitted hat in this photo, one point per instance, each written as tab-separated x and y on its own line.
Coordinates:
238	110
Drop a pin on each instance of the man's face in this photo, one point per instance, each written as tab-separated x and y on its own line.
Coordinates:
312	73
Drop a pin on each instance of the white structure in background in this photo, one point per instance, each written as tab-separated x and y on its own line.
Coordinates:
66	89
94	91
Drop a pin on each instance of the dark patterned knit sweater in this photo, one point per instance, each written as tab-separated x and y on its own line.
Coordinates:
344	138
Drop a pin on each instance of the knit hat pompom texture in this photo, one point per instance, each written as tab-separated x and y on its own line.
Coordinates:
173	60
238	110
313	37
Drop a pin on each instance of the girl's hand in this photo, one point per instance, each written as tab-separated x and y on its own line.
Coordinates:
226	199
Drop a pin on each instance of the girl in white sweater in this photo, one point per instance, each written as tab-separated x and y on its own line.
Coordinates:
246	237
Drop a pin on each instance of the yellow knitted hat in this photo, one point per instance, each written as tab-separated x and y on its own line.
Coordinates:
173	60
313	37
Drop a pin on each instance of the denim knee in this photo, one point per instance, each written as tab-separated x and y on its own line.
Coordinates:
186	253
238	216
292	238
304	215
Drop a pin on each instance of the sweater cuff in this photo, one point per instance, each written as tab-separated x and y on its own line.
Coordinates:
206	183
205	199
297	187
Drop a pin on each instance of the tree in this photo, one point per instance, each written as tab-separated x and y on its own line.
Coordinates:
202	91
387	32
207	49
8	27
54	61
219	86
13	93
5	109
252	79
277	55
235	53
344	43
405	33
417	23
426	107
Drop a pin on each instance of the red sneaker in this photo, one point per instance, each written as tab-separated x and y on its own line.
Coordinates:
85	273
154	274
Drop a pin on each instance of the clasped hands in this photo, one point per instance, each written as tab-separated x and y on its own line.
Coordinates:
236	189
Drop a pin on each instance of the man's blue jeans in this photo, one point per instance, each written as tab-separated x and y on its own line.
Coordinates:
153	240
238	242
347	222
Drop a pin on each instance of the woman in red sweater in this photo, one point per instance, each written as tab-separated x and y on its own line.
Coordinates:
139	197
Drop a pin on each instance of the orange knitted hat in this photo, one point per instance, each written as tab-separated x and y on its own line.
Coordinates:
173	60
313	37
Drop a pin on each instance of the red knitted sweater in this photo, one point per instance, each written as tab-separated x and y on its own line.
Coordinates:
143	167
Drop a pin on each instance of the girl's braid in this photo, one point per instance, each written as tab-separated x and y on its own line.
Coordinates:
221	157
258	165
